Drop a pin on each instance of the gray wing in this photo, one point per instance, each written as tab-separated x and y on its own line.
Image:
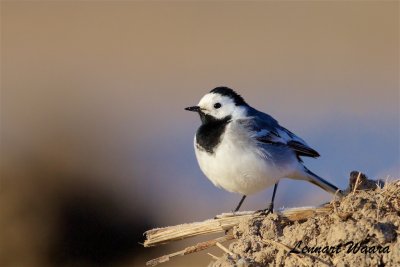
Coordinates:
266	129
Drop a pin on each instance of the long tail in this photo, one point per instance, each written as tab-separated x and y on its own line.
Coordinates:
325	185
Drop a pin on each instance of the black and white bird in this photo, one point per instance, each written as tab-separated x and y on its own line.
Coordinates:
243	150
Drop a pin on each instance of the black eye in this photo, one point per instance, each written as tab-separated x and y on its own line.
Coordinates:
217	105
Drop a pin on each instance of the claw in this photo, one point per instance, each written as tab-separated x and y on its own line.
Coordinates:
264	212
267	211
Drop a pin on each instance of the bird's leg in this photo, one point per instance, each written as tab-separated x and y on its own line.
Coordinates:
270	208
271	205
240	204
237	208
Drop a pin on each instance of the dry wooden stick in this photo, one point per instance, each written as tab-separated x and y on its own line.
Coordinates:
357	182
223	248
225	222
198	247
164	235
213	256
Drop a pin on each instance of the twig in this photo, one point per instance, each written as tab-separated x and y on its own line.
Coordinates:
198	247
356	183
213	256
224	248
165	235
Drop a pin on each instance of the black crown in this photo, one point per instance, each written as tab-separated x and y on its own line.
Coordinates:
226	91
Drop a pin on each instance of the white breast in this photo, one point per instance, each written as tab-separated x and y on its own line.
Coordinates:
236	165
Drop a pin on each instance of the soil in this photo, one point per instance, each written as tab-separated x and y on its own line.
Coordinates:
362	230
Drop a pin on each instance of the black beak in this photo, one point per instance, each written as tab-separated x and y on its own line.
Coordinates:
194	108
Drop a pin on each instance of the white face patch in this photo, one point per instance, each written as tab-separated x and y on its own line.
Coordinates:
220	106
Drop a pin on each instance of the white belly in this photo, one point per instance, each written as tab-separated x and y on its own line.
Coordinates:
238	168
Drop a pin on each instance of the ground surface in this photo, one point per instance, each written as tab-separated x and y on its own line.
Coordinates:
369	218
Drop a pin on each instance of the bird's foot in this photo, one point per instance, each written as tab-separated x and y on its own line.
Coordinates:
267	211
264	212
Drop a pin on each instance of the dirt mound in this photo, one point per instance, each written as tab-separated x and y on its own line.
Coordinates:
363	229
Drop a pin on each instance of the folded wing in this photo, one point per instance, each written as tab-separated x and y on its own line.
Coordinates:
265	129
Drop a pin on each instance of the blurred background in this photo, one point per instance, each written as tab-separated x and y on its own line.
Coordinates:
96	147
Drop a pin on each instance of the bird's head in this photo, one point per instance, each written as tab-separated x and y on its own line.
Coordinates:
219	104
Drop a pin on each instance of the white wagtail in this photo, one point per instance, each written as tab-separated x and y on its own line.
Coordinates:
245	151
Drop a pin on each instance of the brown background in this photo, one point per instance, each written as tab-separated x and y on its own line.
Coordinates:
92	98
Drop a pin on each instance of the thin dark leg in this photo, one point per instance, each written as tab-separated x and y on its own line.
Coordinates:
270	208
240	203
271	205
